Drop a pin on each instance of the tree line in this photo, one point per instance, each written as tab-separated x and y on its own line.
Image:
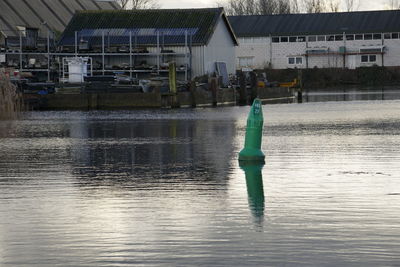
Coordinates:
269	7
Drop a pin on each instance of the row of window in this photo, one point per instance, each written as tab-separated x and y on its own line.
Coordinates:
364	59
248	61
368	58
253	40
337	37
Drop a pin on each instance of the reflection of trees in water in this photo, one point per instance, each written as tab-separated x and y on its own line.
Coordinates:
168	151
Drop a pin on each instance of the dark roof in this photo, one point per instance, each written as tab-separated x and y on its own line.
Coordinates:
42	14
144	25
318	23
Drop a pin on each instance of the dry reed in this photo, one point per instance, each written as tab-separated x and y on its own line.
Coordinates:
10	100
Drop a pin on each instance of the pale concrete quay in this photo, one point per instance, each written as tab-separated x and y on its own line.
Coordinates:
193	98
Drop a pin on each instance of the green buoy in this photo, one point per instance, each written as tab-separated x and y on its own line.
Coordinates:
252	144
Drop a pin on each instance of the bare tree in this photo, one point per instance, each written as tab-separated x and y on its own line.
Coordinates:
352	5
257	7
294	6
283	7
239	7
393	4
138	4
267	7
314	6
122	3
333	5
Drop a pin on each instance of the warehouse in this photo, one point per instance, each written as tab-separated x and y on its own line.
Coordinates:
140	42
322	40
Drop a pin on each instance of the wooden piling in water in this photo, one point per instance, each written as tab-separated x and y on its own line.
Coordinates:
10	101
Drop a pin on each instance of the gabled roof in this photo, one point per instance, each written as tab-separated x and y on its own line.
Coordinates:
44	14
318	23
171	25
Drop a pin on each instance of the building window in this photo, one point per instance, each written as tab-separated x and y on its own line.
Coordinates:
321	38
246	40
387	36
358	37
368	58
331	38
350	37
284	39
301	39
377	36
245	61
312	38
364	58
372	58
367	36
275	39
395	35
259	40
292	39
338	37
295	60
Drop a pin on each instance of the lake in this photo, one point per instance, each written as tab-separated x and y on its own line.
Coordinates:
164	187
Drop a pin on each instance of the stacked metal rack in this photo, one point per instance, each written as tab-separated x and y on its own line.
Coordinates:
130	53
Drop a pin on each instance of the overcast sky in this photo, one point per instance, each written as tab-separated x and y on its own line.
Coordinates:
364	4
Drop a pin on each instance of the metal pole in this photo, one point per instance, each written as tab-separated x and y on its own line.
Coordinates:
186	52
20	51
102	50
190	57
76	44
48	55
158	52
63	68
345	49
130	55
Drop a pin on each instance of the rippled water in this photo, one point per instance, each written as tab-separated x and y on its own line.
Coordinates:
163	188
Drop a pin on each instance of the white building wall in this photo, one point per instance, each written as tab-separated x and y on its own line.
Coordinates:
281	52
392	56
278	54
329	60
220	48
253	53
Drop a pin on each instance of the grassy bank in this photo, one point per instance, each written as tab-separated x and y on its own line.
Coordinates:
323	78
10	101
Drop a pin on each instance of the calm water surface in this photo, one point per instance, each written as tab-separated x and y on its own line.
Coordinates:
163	188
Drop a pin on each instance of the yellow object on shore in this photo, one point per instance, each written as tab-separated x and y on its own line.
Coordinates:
289	84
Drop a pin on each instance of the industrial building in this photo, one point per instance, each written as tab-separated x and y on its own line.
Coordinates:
322	40
140	42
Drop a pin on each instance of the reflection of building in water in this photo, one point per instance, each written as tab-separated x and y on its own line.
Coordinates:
352	94
180	150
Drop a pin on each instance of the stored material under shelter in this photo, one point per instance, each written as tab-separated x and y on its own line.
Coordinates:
323	40
145	41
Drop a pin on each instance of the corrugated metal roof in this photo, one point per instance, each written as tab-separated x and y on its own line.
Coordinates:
36	13
318	23
144	25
